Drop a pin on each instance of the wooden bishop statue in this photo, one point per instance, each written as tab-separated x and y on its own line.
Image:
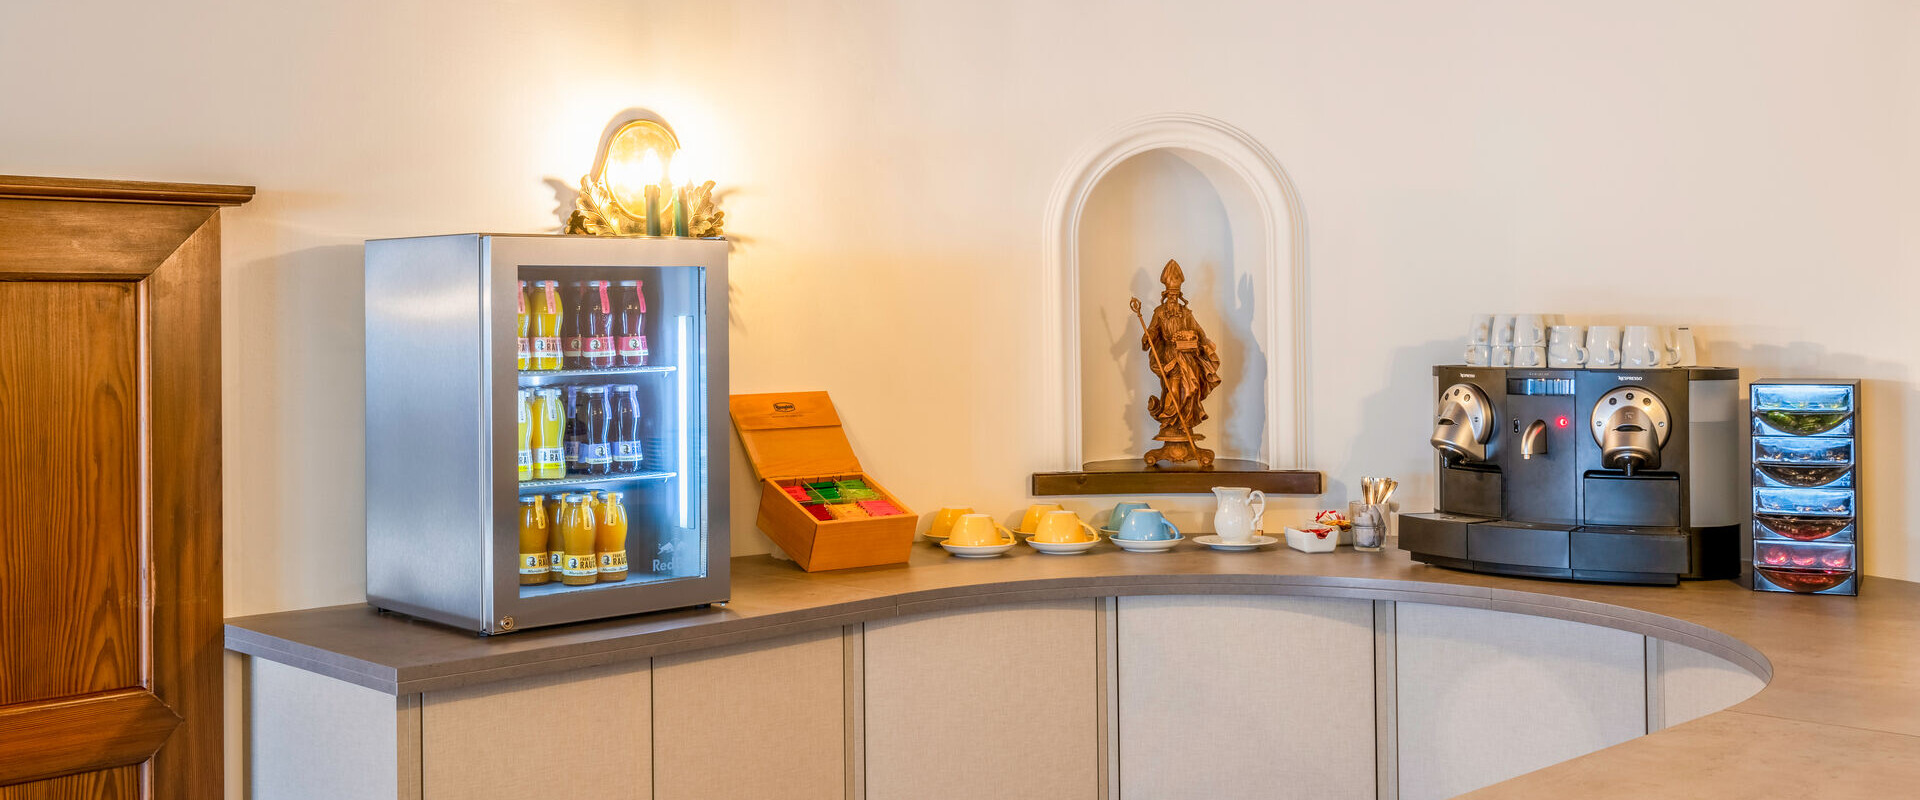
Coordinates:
1188	366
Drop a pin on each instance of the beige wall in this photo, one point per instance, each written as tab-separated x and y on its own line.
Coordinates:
1711	162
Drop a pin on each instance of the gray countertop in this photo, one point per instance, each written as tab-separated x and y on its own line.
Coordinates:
1840	715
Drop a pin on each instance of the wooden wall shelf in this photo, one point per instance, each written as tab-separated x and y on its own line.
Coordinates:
1132	476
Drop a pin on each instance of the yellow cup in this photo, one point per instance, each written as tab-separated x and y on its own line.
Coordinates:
943	522
1031	522
978	530
1064	527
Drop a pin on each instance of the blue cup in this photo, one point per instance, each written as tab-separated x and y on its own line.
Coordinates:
1120	513
1146	525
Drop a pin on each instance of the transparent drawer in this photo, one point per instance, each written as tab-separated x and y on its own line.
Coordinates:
1803	423
1804	566
1802	397
1794	451
1803	529
1803	477
1809	502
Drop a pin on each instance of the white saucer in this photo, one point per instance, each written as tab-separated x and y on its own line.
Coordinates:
1144	545
982	551
1063	548
1217	543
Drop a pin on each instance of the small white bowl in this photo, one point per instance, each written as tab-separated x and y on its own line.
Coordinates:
1307	542
980	551
1063	548
1145	545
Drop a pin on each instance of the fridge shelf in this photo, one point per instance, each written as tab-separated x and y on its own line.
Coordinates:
593	480
533	377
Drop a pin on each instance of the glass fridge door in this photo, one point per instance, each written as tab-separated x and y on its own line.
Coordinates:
610	452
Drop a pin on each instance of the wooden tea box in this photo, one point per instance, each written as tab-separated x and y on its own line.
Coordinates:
795	440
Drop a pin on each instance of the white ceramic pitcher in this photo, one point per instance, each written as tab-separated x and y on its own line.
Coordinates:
1238	515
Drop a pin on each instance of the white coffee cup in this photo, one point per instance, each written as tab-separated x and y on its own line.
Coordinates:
1502	330
1564	350
1529	330
1479	355
1502	355
1603	346
1681	346
1643	347
1533	357
1480	331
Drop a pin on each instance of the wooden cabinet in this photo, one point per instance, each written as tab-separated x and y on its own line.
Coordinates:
110	617
757	720
1202	678
1001	701
1483	696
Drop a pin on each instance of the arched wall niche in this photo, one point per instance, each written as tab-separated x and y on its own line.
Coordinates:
1221	196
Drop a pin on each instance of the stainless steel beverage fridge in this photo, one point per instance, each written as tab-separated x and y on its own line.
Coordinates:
540	441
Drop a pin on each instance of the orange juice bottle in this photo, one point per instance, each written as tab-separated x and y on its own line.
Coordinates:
533	541
610	539
525	357
581	566
549	428
556	527
525	466
545	327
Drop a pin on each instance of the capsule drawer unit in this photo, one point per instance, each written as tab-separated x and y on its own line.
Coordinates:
1806	486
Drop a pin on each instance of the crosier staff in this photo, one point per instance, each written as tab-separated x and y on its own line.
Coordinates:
1158	367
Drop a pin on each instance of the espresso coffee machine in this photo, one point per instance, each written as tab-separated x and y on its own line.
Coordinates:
1616	475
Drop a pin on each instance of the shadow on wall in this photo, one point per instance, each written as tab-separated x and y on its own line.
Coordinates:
293	422
1393	443
1887	397
1243	409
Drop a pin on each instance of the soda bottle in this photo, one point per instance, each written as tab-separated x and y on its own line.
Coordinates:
533	541
524	469
574	340
595	415
625	430
596	324
631	328
549	433
556	536
578	536
525	356
576	430
546	324
610	539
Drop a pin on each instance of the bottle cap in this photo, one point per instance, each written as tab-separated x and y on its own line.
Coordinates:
546	283
594	390
532	499
599	283
629	283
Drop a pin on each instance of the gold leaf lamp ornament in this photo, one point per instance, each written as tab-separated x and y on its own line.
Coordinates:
629	193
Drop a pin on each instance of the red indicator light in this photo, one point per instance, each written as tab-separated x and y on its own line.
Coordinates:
1563	422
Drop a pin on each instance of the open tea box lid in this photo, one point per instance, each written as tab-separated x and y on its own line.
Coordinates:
792	435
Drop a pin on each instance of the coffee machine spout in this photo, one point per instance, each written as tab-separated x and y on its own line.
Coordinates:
1534	442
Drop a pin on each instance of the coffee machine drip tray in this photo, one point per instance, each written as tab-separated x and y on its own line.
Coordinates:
1614	554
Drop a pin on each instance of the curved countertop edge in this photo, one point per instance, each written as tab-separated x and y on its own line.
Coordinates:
399	655
1839	715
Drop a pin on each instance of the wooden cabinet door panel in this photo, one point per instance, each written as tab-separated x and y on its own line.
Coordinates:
110	609
69	415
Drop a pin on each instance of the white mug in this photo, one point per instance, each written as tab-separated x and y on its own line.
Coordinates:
1502	355
1643	347
1681	346
1529	330
1533	357
1479	355
1502	330
1603	346
1564	350
1480	331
